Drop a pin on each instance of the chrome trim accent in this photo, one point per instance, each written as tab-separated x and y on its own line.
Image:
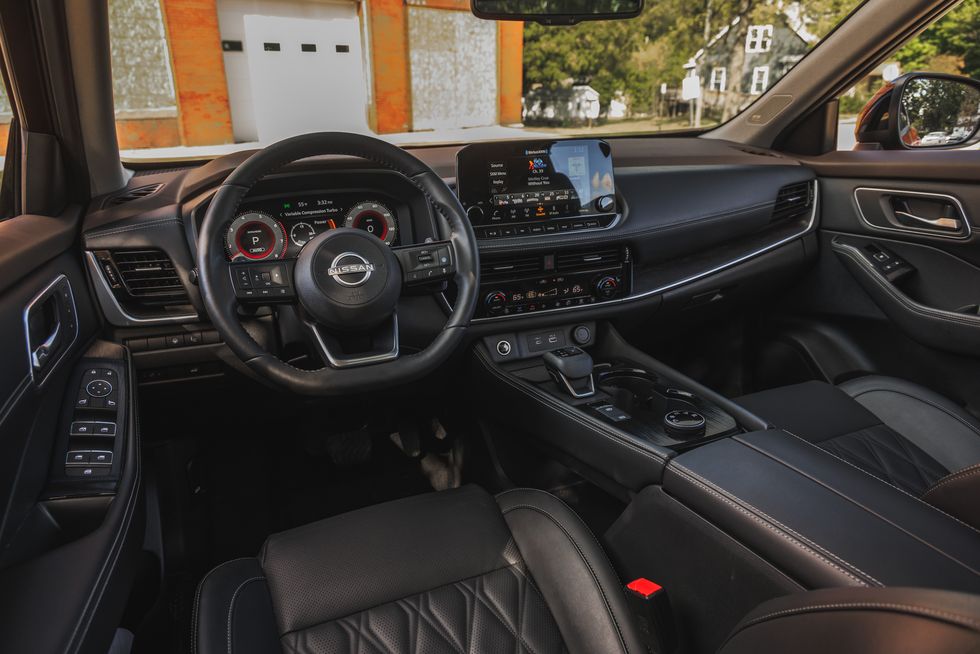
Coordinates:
27	328
352	362
115	313
673	285
913	230
559	377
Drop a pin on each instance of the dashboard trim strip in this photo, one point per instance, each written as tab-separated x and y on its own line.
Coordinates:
687	280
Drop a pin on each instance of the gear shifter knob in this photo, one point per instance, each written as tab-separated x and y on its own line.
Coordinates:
571	368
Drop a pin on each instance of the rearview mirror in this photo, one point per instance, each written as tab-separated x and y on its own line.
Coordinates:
922	110
556	12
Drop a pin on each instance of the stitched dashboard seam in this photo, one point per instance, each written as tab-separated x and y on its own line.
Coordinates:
779	529
150	224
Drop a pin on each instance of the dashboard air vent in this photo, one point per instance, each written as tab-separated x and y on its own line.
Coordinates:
133	194
513	267
793	201
586	259
149	275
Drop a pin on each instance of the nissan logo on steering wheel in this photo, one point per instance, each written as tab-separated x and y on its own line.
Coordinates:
338	270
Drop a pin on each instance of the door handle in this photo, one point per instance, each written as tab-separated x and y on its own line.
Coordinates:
41	354
942	223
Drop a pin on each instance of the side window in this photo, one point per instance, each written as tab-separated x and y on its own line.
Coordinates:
948	46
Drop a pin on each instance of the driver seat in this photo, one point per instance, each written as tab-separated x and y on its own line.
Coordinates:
461	571
454	571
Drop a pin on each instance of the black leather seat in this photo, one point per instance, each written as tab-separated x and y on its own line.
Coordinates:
460	571
456	571
900	432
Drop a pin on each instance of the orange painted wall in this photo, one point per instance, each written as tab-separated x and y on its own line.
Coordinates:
204	115
388	27
138	133
510	71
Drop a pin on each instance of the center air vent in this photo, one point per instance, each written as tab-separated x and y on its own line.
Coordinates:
793	201
149	276
132	194
587	259
512	267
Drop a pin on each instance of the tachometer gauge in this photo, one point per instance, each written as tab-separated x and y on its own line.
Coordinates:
255	236
301	234
374	218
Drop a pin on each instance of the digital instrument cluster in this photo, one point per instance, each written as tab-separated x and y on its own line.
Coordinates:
279	228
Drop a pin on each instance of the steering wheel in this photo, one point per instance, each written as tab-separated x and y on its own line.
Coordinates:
345	281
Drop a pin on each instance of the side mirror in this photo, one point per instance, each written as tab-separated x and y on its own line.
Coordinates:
922	110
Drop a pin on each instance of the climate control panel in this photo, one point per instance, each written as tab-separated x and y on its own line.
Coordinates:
563	281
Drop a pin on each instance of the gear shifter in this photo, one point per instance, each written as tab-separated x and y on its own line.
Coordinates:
571	368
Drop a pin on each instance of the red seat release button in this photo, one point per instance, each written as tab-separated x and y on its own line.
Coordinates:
644	587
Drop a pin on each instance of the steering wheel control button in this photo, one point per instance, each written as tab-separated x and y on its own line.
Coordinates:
504	348
428	263
98	388
685	424
265	282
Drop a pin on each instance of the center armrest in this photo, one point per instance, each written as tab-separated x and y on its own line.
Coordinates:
821	520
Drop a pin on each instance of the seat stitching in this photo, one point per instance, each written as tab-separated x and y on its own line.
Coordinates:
578	549
197	600
231	606
585	527
439	628
956	476
924	400
391	601
954	617
495	610
771	524
898	488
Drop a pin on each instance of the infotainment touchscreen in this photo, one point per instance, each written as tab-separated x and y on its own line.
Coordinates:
511	189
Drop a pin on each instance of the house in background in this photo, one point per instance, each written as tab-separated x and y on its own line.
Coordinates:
207	72
744	58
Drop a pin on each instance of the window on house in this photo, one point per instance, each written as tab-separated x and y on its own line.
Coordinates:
758	39
719	79
760	80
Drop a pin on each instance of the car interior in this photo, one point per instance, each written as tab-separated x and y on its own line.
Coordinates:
712	390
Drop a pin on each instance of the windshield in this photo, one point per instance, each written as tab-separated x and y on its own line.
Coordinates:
198	78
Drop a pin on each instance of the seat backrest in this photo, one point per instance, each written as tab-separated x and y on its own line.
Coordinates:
861	621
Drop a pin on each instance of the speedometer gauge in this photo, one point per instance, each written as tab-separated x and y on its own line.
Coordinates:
255	236
374	218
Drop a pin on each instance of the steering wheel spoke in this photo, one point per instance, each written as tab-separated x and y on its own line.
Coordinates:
362	349
263	282
428	264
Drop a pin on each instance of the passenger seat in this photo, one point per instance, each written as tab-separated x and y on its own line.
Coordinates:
897	431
